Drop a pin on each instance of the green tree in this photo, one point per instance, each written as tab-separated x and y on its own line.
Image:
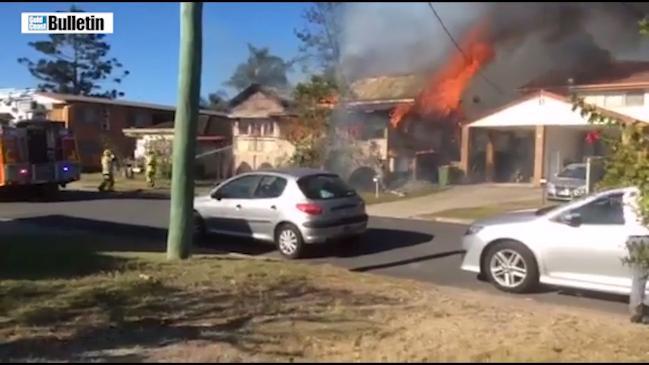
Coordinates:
261	68
179	239
321	37
314	100
75	64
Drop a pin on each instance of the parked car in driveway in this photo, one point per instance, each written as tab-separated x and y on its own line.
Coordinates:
290	207
570	182
579	244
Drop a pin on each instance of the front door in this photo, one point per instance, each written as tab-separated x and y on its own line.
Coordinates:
230	207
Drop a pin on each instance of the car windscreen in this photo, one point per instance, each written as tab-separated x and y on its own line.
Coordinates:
573	172
322	187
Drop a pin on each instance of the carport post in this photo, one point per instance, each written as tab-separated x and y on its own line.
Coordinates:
465	142
490	156
539	153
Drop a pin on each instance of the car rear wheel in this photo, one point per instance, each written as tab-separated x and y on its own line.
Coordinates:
511	267
289	241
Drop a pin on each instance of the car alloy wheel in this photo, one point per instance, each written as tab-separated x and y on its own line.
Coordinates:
288	242
511	267
508	268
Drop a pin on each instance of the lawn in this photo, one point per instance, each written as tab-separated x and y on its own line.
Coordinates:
474	213
68	297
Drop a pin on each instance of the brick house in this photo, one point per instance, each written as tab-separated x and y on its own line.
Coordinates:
97	122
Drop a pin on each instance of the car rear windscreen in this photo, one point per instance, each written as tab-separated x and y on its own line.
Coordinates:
319	187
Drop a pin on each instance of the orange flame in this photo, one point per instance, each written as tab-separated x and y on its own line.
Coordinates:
443	92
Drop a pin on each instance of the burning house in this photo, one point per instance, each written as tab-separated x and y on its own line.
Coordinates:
452	110
416	120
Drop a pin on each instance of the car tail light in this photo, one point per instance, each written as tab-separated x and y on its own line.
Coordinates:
310	208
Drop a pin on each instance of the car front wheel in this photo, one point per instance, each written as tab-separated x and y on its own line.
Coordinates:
511	267
289	241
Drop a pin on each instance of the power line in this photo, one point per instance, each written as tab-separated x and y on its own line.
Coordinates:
466	57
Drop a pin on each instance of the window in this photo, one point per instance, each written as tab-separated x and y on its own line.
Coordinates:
90	114
269	128
105	119
241	188
142	119
270	187
244	127
606	210
320	187
634	99
256	128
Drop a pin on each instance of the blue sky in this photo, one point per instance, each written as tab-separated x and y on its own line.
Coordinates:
145	40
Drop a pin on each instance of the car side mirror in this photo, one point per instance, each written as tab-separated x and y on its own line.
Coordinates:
217	195
572	219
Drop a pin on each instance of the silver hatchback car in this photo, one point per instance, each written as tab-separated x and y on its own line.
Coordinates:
289	207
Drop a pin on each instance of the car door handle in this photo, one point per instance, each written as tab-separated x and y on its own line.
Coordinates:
273	207
238	206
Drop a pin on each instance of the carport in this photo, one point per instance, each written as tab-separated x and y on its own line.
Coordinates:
527	140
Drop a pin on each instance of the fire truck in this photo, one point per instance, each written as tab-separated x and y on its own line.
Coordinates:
37	153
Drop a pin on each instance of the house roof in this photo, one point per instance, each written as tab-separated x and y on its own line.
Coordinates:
66	98
281	96
540	108
619	75
388	88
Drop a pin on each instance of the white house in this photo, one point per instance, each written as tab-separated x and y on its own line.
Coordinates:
533	137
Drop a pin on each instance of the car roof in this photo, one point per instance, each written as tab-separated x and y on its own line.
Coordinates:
297	172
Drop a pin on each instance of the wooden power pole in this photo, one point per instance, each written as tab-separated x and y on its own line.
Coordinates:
179	239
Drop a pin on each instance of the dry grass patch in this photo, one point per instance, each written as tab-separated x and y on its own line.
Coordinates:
136	307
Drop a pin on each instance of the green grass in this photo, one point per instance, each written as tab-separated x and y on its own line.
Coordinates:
486	211
386	197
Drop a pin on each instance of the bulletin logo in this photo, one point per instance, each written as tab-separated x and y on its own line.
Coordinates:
67	23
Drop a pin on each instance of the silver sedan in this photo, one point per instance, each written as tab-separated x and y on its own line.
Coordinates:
578	245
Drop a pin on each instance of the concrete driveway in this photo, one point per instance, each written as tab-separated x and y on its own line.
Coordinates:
459	196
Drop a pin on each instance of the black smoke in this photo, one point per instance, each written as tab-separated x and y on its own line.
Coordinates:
529	39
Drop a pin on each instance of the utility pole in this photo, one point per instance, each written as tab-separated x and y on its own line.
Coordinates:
179	239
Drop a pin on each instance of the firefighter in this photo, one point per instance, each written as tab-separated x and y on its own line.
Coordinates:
107	171
150	168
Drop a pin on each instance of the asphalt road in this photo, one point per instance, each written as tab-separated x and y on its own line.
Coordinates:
413	249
